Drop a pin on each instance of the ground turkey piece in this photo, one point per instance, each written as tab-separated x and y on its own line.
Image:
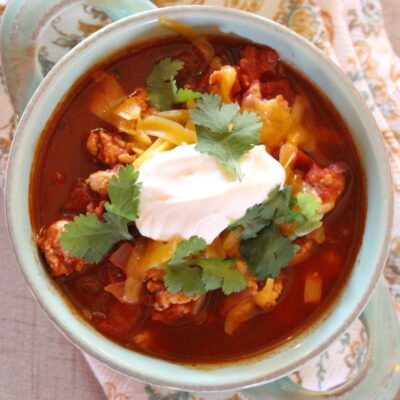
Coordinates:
109	148
59	261
98	181
168	306
329	183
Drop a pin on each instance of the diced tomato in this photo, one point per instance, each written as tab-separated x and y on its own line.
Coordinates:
271	89
303	161
258	64
329	182
80	197
120	319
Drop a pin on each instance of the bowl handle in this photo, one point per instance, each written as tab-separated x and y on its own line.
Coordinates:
380	377
19	46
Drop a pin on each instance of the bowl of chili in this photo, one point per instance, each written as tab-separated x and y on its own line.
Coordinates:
334	150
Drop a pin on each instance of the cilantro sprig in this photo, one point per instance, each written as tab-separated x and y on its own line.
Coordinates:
90	238
162	88
223	132
194	275
264	248
308	218
187	248
124	191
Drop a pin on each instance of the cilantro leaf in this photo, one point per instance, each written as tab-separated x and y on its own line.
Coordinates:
268	252
186	248
203	275
265	250
184	278
200	275
161	85
308	209
88	237
212	115
308	204
124	191
219	273
262	215
224	133
184	95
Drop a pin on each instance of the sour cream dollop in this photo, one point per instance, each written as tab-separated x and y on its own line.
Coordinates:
186	193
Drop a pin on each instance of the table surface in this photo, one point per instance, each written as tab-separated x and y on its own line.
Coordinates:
36	361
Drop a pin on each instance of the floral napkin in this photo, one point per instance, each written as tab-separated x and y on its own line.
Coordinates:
351	32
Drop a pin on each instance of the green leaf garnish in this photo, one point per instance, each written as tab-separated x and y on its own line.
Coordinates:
184	278
263	247
161	85
259	216
224	133
310	217
268	252
186	248
88	237
195	276
184	95
219	273
124	191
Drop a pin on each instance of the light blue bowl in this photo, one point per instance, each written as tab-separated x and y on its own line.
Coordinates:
324	74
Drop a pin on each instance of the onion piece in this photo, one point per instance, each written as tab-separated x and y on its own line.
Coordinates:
120	257
109	94
117	289
128	110
239	314
313	288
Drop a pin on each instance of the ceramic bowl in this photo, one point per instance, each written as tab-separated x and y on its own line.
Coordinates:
295	51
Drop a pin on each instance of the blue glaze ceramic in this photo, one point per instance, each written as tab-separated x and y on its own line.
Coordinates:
22	79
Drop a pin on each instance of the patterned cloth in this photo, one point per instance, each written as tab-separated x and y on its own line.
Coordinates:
351	32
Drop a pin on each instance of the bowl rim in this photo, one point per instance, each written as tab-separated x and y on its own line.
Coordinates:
84	343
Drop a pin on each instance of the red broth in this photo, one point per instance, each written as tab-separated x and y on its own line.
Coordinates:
62	160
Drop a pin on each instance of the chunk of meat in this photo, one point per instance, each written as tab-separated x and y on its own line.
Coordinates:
163	298
99	180
110	148
257	64
168	306
329	183
60	262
